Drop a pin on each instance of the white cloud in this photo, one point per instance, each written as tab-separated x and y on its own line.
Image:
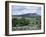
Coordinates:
24	10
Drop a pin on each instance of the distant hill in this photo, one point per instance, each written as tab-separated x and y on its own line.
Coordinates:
27	15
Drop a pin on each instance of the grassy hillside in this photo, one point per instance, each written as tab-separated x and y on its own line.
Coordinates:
26	21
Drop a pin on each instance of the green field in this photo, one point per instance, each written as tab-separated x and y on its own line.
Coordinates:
26	23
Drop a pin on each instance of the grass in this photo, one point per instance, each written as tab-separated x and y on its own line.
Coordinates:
26	23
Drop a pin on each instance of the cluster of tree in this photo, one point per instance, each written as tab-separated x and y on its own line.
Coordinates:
24	22
20	22
39	19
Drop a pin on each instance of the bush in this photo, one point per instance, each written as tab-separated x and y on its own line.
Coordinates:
19	22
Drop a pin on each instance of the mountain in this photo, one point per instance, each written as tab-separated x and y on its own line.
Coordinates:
27	15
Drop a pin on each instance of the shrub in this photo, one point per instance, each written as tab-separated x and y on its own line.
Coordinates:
19	22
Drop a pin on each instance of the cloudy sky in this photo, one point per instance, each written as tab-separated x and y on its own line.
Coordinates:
19	10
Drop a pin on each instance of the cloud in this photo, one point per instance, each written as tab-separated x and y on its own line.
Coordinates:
19	10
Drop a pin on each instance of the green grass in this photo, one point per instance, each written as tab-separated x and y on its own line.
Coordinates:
25	21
